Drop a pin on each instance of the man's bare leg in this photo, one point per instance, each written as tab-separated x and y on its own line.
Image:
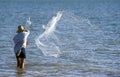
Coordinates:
22	63
18	62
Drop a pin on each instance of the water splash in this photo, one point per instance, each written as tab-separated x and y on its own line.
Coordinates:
72	33
47	42
78	33
28	21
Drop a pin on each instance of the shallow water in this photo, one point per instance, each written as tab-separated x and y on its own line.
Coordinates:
88	34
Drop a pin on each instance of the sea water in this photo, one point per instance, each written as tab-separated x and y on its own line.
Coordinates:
87	37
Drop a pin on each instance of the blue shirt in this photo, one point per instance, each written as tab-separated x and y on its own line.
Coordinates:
20	40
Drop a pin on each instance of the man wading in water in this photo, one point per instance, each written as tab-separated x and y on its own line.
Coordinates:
20	41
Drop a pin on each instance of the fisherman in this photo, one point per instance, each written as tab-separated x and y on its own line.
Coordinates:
20	41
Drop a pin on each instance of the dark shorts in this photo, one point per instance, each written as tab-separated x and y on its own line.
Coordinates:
22	54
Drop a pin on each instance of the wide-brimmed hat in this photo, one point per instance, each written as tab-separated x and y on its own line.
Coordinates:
21	29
